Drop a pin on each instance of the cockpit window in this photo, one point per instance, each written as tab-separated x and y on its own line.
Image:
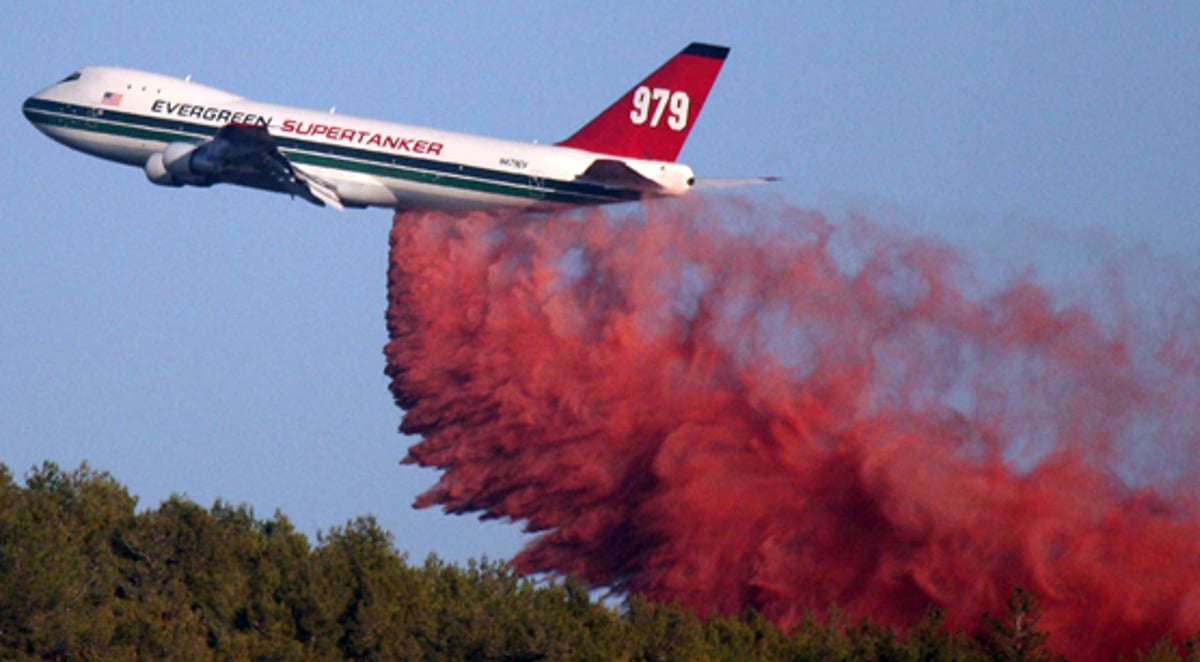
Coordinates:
74	76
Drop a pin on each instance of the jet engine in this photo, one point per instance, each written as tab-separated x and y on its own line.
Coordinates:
182	164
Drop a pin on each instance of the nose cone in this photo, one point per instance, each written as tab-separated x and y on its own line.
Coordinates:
34	110
39	107
27	108
52	110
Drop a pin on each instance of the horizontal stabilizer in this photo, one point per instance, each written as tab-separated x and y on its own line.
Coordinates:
727	183
612	173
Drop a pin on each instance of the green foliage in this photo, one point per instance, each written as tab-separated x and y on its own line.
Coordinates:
1016	637
1166	650
83	575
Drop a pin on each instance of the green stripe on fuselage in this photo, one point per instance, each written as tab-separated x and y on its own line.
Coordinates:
383	164
97	125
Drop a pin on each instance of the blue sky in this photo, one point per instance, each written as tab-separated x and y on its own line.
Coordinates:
226	343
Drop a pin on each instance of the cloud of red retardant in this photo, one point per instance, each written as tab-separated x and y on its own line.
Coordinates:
735	405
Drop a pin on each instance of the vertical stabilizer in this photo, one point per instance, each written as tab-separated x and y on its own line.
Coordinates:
652	120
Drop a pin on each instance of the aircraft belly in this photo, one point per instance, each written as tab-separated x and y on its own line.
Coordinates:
408	194
354	189
122	149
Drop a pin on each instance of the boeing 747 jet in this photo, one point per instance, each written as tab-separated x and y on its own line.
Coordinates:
182	133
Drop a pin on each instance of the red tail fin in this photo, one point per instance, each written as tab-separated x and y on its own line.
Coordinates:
652	120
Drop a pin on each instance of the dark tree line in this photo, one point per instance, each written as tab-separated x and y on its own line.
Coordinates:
84	576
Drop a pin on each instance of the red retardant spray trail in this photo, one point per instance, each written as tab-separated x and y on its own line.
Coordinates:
735	405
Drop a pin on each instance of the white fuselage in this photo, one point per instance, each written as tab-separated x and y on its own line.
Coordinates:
126	116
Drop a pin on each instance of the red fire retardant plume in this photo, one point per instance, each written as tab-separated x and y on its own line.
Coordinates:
735	406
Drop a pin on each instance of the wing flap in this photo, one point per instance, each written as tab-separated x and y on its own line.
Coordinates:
320	189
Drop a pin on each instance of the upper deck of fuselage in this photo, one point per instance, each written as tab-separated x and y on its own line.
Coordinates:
90	85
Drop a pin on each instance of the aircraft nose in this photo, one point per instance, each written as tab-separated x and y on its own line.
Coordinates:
27	108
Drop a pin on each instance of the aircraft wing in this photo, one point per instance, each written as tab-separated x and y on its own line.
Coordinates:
246	154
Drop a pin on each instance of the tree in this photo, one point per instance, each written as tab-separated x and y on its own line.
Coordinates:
84	576
56	565
1016	637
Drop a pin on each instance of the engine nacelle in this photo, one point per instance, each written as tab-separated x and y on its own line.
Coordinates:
156	171
181	164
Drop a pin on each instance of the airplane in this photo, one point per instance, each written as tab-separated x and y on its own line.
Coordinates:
182	133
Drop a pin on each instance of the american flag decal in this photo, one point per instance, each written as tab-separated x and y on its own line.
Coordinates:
112	99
